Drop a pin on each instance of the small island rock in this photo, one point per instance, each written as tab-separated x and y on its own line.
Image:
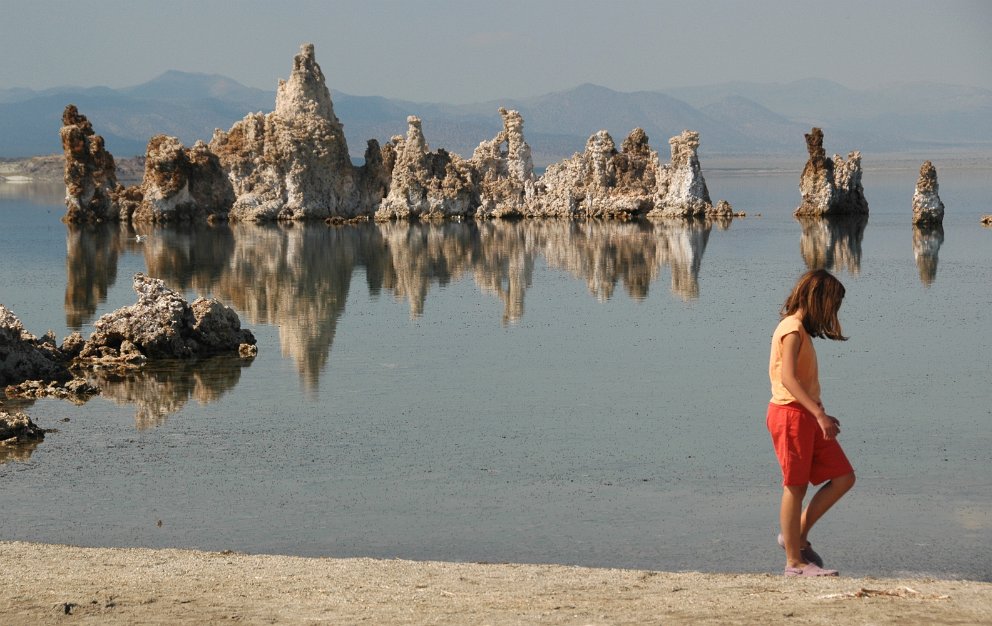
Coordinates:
927	207
164	325
830	187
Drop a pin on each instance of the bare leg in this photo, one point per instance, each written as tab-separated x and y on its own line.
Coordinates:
790	517
826	497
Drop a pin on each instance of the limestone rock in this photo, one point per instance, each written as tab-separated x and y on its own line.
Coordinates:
682	189
601	181
830	187
17	427
293	163
90	173
425	184
76	390
505	170
163	325
721	209
179	184
25	357
927	207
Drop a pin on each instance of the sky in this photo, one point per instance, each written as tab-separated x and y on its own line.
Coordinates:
461	51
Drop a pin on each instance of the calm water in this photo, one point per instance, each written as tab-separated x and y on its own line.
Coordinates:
587	393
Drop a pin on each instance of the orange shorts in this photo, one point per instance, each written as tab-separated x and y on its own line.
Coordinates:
802	451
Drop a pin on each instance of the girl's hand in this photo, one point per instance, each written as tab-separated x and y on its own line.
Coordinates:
828	424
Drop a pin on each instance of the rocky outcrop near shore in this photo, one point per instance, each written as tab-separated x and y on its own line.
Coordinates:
90	172
162	324
26	357
830	187
927	207
17	428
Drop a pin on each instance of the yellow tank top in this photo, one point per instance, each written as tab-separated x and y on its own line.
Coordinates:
806	369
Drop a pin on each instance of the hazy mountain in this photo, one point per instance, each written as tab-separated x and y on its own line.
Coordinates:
732	118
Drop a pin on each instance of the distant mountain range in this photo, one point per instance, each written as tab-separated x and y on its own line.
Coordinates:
732	118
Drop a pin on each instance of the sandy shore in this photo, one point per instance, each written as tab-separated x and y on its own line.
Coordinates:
41	584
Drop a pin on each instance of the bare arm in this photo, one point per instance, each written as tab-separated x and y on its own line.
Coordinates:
790	353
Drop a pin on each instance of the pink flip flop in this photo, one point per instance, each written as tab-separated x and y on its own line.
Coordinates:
810	569
808	554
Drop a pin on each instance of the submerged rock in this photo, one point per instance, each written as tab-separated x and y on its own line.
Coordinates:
830	187
927	207
163	325
25	357
90	172
76	390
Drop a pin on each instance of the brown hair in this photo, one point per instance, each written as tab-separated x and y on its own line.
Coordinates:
818	295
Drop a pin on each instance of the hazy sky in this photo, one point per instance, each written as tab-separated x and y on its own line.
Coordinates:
474	50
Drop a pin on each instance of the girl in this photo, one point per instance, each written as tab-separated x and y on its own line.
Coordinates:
805	437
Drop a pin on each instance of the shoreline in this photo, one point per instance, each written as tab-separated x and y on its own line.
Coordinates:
44	582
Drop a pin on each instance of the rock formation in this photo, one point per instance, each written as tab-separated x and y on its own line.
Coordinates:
600	182
927	207
830	187
293	163
77	390
682	190
25	357
505	174
163	325
17	428
179	184
90	173
425	184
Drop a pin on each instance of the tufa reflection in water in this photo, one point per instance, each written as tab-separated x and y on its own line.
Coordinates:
297	276
160	389
91	255
833	242
927	240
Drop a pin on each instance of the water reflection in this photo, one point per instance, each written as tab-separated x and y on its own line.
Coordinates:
833	243
926	244
158	390
18	452
91	255
21	451
297	276
45	193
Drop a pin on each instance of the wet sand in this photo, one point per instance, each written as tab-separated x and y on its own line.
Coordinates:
41	583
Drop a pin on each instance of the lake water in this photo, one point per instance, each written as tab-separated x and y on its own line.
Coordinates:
586	393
